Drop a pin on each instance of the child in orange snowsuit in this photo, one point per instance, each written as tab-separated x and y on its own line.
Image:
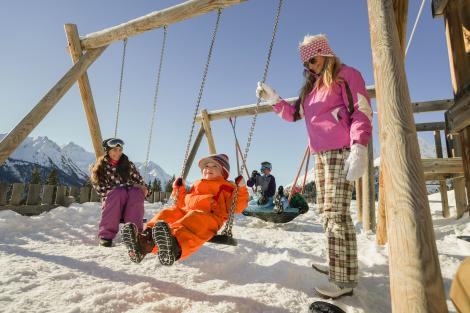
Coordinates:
179	231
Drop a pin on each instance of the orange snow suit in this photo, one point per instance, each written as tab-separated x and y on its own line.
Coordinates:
197	216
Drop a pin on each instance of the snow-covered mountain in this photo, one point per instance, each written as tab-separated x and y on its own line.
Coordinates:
71	161
153	171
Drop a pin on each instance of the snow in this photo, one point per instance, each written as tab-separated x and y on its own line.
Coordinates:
52	263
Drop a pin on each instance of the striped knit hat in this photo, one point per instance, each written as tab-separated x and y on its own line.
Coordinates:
313	46
219	159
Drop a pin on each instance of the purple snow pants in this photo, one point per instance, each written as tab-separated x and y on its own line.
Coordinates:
127	203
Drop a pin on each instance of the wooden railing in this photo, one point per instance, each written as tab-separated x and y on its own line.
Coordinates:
34	199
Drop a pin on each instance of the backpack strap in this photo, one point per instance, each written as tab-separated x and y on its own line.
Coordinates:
349	95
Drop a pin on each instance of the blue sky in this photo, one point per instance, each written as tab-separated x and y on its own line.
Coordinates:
34	57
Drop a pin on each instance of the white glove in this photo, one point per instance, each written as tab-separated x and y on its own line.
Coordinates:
266	93
355	165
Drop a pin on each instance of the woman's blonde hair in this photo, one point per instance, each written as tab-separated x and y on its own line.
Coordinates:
327	78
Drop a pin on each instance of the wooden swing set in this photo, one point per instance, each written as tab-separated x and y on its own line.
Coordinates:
416	283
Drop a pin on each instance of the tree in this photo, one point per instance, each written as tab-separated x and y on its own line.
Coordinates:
157	185
169	184
52	178
36	176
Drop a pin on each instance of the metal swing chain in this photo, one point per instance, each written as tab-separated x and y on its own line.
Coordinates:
118	105
227	231
155	96
201	90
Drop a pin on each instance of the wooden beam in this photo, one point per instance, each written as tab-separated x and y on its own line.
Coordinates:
438	7
415	277
192	153
459	58
433	126
458	116
442	183
154	20
207	129
432	106
16	136
442	166
457	24
368	192
246	110
75	51
381	234
465	141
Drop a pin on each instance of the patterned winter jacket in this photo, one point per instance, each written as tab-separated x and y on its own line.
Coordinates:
330	124
112	179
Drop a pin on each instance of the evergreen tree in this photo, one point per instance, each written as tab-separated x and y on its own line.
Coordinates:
52	178
36	176
169	184
157	185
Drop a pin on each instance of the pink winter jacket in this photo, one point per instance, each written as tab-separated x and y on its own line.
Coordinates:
330	126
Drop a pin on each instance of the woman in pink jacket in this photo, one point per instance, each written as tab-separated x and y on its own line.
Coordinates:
337	112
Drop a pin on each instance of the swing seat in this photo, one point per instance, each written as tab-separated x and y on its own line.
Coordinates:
224	240
267	212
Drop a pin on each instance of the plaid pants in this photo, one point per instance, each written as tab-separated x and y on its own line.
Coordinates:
334	194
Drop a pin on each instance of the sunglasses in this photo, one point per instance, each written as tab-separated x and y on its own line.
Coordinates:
311	61
115	142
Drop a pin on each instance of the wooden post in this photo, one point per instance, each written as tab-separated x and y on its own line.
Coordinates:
192	154
15	137
94	197
48	194
34	191
457	23
368	192
359	197
154	20
3	194
60	195
17	194
415	277
75	50
207	129
465	142
400	9
84	194
156	197
75	192
442	183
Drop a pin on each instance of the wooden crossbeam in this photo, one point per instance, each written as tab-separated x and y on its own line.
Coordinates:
154	20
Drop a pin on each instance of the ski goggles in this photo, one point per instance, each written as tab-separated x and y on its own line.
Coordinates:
114	142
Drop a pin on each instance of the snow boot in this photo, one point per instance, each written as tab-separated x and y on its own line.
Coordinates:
138	245
106	242
324	307
321	268
333	291
168	248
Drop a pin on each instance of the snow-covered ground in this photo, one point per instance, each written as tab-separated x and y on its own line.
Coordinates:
52	263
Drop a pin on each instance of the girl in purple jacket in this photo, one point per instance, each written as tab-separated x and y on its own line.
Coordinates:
336	108
123	191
